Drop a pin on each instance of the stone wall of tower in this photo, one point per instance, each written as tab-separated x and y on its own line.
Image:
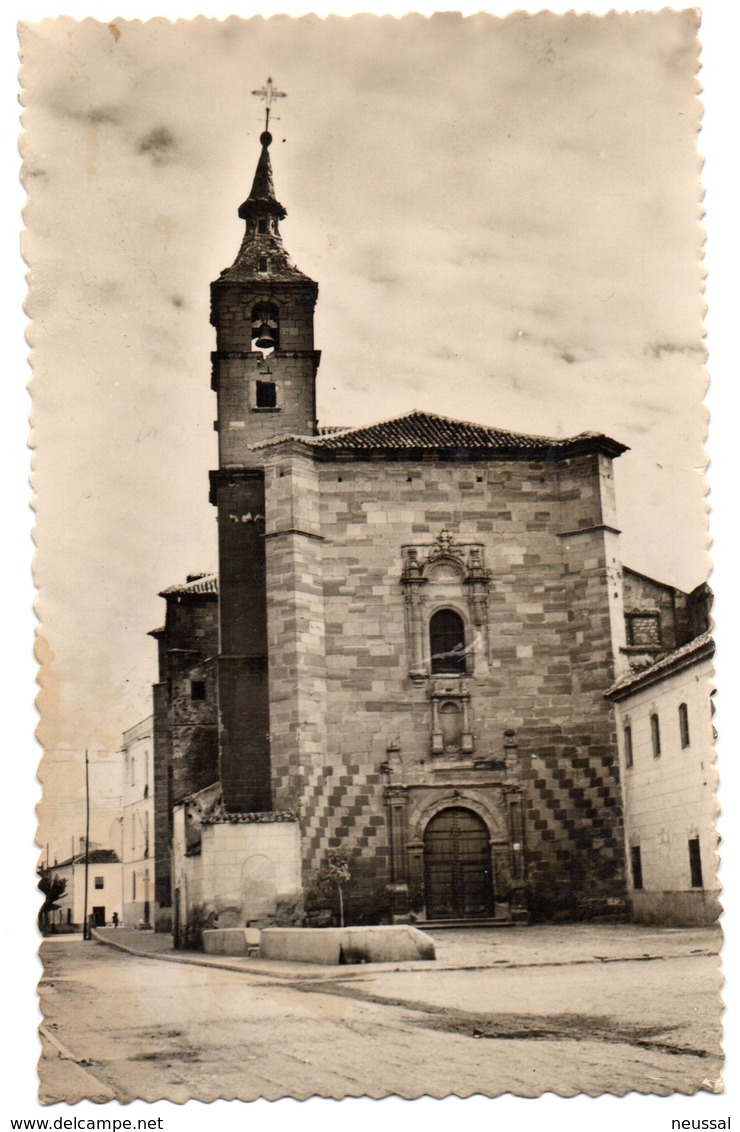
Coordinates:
243	709
236	367
541	666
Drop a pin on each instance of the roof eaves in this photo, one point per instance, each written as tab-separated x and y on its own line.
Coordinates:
700	648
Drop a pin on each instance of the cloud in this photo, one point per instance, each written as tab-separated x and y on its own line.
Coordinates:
100	115
159	144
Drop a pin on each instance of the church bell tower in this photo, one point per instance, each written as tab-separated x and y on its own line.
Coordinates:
264	375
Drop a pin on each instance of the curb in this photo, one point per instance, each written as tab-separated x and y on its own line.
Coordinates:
193	960
101	1093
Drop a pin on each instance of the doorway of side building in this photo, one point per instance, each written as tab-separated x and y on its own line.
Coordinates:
98	916
457	866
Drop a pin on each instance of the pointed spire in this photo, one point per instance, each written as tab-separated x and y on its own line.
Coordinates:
262	186
261	200
262	255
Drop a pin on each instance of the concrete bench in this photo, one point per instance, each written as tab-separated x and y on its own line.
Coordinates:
332	946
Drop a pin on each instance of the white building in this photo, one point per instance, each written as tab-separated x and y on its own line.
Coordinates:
138	823
103	890
664	725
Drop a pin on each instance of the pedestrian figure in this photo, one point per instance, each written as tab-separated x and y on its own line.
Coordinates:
115	919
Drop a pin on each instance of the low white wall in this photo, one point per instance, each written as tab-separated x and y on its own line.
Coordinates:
246	873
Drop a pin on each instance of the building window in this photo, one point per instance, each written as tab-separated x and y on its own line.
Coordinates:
262	226
197	689
133	886
695	863
628	753
99	882
447	642
266	395
683	724
655	735
643	630
262	263
133	770
636	862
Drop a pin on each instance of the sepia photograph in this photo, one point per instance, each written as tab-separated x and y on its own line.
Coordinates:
375	603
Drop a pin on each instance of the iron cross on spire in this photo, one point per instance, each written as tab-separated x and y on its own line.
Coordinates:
269	92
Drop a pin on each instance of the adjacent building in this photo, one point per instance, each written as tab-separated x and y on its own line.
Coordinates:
104	896
664	725
137	832
184	723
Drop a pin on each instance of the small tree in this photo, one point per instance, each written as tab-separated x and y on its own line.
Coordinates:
52	888
337	871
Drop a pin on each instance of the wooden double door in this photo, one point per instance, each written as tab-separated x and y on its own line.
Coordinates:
458	883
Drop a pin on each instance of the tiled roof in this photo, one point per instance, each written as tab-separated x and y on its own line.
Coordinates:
417	430
246	266
95	857
697	649
197	584
260	818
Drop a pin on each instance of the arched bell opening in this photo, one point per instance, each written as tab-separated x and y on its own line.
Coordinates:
265	328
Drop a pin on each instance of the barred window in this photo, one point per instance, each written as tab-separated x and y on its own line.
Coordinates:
655	735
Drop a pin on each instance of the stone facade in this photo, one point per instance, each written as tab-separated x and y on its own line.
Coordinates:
354	707
664	723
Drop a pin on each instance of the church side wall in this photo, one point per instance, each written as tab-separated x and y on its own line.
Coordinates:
296	626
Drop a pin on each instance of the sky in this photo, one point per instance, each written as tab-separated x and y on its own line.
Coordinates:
503	218
127	239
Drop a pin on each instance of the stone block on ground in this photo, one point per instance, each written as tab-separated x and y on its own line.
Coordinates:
231	941
333	946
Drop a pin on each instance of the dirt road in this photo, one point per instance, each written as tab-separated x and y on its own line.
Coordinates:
607	1021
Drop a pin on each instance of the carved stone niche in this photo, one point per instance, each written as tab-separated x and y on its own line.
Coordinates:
451	734
438	573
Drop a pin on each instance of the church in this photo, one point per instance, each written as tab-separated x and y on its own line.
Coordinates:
401	665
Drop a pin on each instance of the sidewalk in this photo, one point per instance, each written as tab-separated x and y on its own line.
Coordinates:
540	945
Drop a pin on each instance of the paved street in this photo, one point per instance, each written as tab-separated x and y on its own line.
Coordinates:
566	1009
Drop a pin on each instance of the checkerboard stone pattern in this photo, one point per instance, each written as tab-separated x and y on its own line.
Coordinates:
340	807
575	831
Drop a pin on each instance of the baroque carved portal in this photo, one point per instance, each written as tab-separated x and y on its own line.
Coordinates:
445	575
